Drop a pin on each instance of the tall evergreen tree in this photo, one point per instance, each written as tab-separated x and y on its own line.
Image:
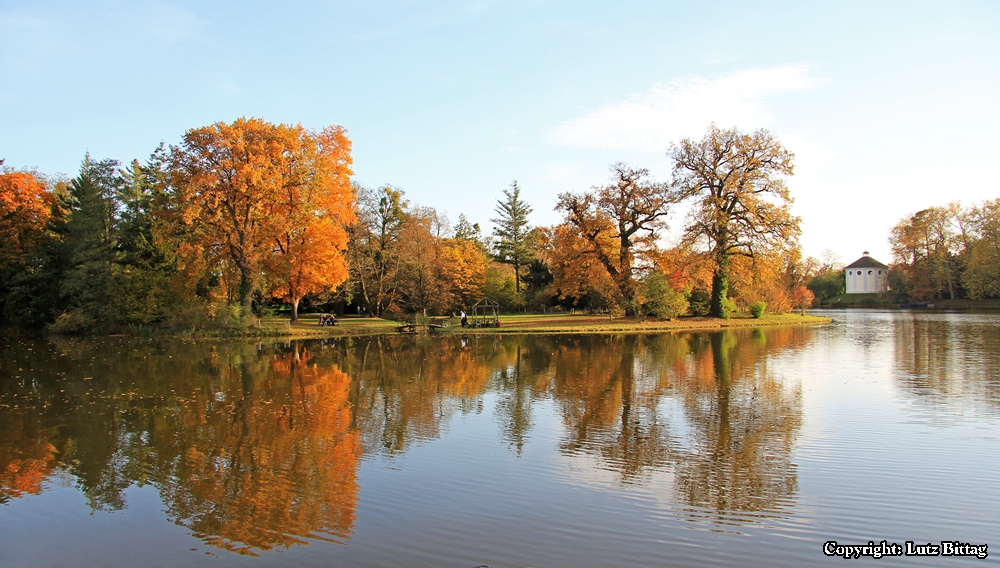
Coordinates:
511	229
144	266
92	239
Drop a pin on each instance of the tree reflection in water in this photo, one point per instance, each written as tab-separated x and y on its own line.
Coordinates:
739	421
251	448
941	357
257	446
744	423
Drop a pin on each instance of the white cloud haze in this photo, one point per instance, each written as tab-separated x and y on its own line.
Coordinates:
650	121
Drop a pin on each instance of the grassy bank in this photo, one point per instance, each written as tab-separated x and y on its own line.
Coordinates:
581	323
308	325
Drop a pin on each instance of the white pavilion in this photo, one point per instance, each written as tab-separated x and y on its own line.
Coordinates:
866	276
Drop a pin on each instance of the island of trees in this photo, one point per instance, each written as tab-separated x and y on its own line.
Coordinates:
248	217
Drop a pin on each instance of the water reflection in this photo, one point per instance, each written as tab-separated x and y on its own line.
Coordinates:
941	357
744	423
729	447
249	448
254	447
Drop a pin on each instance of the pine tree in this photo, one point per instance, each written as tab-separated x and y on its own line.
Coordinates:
511	229
91	240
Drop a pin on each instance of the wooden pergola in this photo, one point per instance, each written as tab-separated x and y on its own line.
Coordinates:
486	313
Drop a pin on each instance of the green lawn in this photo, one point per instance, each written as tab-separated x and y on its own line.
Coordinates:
308	324
583	323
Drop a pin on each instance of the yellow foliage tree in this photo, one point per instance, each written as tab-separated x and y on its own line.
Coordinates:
463	270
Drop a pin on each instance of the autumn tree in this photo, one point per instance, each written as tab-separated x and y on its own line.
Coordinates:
234	183
620	220
740	200
25	208
373	247
418	279
511	231
927	243
463	271
579	278
688	271
310	247
982	266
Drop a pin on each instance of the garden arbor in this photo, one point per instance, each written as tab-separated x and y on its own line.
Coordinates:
486	313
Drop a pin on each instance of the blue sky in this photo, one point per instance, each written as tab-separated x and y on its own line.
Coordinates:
890	107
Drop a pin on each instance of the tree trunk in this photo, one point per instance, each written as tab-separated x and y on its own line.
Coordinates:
295	309
720	288
947	271
246	298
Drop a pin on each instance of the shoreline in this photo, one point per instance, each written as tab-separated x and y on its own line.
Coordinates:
521	324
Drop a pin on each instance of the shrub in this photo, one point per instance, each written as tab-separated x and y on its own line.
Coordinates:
661	299
700	302
68	323
728	307
757	309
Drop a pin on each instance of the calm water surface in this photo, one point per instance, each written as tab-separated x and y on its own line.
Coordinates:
746	447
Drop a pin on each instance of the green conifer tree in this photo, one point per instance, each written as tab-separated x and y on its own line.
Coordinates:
511	230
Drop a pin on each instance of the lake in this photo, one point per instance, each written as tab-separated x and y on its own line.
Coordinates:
732	448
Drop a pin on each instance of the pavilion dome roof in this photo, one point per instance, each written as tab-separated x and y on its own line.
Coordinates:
866	261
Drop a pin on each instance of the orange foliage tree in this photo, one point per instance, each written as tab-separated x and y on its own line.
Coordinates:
25	206
314	237
741	203
625	214
577	272
233	183
418	278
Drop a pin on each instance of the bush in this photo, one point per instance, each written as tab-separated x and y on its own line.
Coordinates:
661	299
68	323
827	284
757	309
700	302
728	307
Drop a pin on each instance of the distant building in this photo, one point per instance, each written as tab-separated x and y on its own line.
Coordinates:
866	276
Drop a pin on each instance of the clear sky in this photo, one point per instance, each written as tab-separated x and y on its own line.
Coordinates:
890	107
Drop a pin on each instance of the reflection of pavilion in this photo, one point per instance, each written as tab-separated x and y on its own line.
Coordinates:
932	358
